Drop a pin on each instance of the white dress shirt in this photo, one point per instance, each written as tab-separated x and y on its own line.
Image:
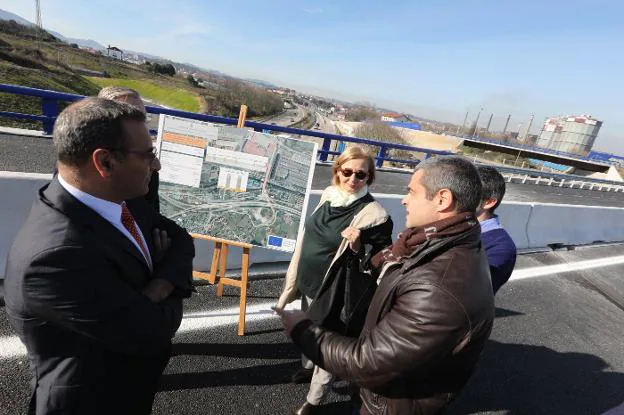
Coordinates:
108	210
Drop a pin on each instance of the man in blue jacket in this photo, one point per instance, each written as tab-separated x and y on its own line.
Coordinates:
499	247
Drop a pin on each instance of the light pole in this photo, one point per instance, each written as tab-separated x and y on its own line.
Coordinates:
463	124
506	123
477	124
526	133
487	129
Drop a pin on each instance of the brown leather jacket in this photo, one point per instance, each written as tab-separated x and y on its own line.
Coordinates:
425	329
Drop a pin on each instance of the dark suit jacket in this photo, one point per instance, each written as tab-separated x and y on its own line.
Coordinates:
96	345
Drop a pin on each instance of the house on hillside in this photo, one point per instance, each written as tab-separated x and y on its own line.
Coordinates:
114	52
394	117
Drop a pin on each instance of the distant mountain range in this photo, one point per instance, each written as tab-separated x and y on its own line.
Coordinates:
85	43
90	43
261	83
4	15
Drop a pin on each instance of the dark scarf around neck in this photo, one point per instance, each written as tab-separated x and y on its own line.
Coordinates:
411	238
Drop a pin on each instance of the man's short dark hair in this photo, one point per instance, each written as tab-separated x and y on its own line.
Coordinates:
493	185
456	174
89	124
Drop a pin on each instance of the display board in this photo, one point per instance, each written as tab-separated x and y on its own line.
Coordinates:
234	183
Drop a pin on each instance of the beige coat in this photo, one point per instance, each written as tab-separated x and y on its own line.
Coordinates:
371	215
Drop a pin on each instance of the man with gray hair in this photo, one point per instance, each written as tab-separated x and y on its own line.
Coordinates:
433	308
95	278
132	97
122	94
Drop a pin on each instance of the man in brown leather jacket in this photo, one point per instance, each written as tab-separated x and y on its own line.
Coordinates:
433	309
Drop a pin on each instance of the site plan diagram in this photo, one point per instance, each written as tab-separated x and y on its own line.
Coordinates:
234	183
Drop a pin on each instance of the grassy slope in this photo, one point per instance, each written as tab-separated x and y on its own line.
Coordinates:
52	69
52	78
168	95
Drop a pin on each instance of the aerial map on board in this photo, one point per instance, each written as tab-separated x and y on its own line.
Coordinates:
234	183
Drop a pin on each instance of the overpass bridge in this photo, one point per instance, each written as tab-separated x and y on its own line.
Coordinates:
544	154
556	344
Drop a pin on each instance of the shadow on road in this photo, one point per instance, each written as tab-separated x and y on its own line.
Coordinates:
522	379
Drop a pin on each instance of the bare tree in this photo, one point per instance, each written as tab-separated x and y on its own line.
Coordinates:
379	131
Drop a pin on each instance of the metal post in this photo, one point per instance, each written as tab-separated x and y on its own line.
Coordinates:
381	156
49	108
326	146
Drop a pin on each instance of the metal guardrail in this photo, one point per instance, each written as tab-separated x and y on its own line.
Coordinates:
50	110
560	180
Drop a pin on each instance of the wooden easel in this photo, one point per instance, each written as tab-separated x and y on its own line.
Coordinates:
218	266
218	269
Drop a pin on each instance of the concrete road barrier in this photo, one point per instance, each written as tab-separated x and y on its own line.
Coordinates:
530	225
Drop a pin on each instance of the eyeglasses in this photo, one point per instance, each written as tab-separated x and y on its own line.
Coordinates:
360	175
149	155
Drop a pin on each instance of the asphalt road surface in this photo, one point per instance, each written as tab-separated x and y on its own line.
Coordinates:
556	348
36	155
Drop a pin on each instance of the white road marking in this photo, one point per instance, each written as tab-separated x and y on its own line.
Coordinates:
22	175
218	318
567	267
11	346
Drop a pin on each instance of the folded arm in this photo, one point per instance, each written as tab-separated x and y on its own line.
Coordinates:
176	264
77	289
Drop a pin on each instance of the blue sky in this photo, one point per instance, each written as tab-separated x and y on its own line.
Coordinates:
431	58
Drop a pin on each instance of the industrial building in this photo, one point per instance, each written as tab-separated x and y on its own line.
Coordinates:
571	134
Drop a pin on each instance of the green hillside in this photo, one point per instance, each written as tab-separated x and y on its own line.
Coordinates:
33	57
167	95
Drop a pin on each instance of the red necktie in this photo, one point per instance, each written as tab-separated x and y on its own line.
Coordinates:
128	222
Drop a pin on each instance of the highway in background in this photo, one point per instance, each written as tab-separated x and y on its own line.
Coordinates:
288	117
36	155
324	124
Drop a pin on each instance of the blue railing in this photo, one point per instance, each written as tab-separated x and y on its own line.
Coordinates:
50	110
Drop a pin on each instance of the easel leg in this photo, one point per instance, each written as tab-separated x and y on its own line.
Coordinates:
243	293
214	267
222	268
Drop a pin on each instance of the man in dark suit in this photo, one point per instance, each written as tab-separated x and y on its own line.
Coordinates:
132	97
94	285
